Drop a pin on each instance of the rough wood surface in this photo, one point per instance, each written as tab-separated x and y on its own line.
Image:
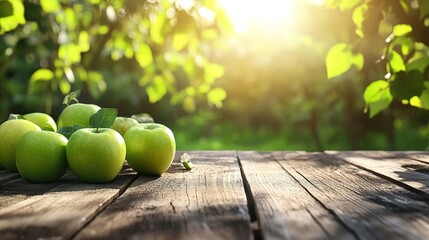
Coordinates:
207	202
232	195
6	176
370	206
284	209
395	166
419	156
57	210
18	189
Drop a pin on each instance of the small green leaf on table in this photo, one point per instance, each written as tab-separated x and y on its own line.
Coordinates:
186	161
104	118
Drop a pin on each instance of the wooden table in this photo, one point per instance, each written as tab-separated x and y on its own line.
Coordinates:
232	195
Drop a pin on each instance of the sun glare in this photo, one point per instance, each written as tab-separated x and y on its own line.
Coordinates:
268	13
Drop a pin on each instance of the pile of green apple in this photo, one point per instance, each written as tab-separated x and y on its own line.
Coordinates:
92	141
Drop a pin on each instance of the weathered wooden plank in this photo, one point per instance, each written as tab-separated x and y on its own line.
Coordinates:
56	210
284	209
370	206
6	176
210	155
397	167
19	189
419	156
207	202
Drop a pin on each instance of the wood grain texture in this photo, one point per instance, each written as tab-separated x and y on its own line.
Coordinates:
6	176
207	202
232	195
419	156
19	189
56	210
284	209
395	166
370	206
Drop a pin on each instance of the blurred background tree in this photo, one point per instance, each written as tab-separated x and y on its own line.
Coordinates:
299	75
121	52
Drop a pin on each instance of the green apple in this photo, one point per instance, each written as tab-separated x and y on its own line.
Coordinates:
78	113
11	133
41	156
122	124
96	156
150	148
43	120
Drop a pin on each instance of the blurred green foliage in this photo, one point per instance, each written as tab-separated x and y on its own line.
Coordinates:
112	48
392	37
290	88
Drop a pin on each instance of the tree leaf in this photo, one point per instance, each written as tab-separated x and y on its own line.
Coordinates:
9	22
103	118
103	29
50	6
212	72
144	55
42	74
377	97
406	44
6	8
340	59
407	85
424	8
71	97
84	41
64	86
358	18
396	62
180	40
401	29
416	102
67	131
69	53
418	62
216	96
157	89
424	99
156	29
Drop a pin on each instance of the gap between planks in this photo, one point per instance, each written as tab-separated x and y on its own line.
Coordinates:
370	205
284	209
208	202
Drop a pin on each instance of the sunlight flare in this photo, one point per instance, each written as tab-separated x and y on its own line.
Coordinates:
269	13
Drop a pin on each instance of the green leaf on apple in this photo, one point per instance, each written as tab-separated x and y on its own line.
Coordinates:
103	118
71	97
67	131
185	159
14	116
